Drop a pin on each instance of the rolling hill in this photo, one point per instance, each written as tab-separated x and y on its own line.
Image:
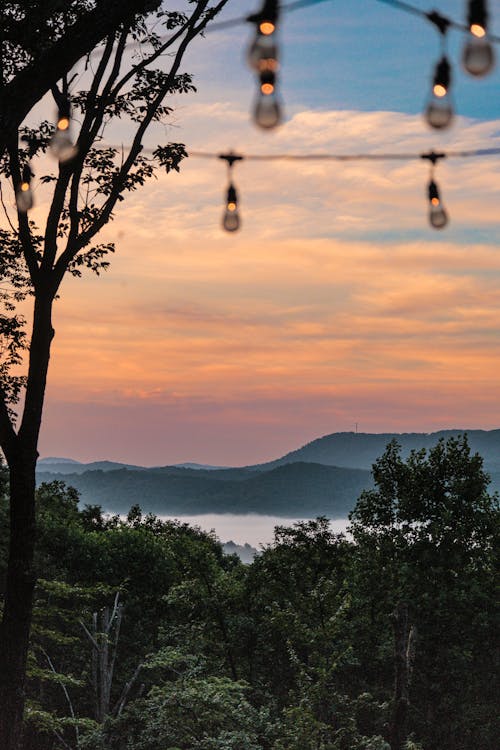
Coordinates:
323	477
302	489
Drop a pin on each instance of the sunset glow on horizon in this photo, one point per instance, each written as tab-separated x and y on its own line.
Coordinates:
334	305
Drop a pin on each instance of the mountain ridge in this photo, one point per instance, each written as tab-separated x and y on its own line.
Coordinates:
323	477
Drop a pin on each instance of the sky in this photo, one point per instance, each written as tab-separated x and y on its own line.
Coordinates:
336	304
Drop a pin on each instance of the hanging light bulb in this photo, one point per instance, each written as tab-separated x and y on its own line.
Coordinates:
263	52
263	59
61	144
438	217
24	193
439	110
231	218
267	111
478	56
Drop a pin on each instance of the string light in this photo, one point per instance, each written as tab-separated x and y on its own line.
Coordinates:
61	144
24	193
231	218
478	57
438	218
439	111
263	59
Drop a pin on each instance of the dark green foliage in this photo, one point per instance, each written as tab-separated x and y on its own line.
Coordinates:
427	536
293	652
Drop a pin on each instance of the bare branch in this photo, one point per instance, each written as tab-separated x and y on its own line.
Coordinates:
61	739
65	691
89	635
147	61
126	690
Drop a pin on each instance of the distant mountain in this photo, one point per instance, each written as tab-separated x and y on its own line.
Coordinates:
324	477
68	466
207	467
298	489
54	460
359	450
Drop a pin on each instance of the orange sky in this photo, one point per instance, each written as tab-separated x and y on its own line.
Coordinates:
335	304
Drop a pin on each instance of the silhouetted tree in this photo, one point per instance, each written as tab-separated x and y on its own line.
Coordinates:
40	43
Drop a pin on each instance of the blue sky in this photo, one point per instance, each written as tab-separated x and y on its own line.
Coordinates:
360	54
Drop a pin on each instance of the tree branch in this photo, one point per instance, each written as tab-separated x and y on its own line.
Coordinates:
22	217
91	124
89	635
136	146
65	691
46	68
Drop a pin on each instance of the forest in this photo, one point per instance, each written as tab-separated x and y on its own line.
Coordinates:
146	636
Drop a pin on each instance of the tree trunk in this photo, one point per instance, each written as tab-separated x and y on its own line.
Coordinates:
18	602
21	454
404	653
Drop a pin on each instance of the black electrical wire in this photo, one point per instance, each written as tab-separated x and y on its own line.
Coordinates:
349	157
285	8
433	16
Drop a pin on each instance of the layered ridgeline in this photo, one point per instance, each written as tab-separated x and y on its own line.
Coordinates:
324	477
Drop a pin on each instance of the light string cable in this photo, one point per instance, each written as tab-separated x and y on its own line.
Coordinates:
432	16
478	56
438	216
396	4
231	220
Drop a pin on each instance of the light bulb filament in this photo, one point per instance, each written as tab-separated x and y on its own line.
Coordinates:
267	28
63	123
439	90
477	30
267	89
231	206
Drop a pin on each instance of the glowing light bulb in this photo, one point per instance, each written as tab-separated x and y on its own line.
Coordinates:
24	193
62	146
267	111
438	217
63	123
439	111
231	218
267	27
263	52
478	56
